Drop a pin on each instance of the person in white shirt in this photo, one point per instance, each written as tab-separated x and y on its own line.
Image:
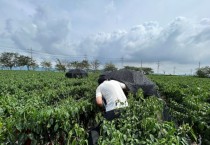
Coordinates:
110	94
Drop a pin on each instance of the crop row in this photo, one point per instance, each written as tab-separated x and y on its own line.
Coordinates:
47	108
188	101
39	108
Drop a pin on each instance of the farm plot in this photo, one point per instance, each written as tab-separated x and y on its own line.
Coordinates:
47	108
188	99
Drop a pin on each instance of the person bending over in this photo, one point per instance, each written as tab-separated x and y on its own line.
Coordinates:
109	94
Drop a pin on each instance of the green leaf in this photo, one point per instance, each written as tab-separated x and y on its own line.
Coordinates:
48	125
74	142
56	127
152	137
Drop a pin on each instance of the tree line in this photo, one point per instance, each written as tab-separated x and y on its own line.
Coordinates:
10	60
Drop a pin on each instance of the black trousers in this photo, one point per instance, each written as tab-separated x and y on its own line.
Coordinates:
95	132
110	115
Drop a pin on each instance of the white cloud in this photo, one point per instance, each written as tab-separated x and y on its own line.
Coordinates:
182	41
109	30
110	7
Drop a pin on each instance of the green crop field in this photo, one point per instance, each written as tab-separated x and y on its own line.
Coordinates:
47	108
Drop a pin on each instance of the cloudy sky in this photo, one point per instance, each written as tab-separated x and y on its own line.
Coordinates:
171	36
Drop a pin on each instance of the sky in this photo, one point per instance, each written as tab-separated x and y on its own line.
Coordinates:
170	36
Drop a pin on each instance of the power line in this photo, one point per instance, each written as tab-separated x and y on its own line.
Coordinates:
41	52
36	52
16	50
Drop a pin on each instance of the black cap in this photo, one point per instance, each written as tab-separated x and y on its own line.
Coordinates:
101	79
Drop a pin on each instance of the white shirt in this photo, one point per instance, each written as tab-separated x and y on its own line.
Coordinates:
112	92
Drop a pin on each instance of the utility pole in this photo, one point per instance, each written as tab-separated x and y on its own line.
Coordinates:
199	64
31	51
158	66
174	70
141	63
122	61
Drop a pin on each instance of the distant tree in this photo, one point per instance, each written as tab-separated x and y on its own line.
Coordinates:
110	67
95	64
132	68
68	65
33	65
1	65
75	64
146	70
84	64
60	66
47	65
203	72
23	61
79	65
8	59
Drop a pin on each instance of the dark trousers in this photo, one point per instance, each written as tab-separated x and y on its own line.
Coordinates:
110	115
94	134
95	131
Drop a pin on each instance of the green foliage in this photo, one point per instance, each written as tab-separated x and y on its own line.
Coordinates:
60	66
203	72
188	100
23	61
146	70
95	64
47	108
141	124
8	59
84	64
47	65
109	67
38	108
